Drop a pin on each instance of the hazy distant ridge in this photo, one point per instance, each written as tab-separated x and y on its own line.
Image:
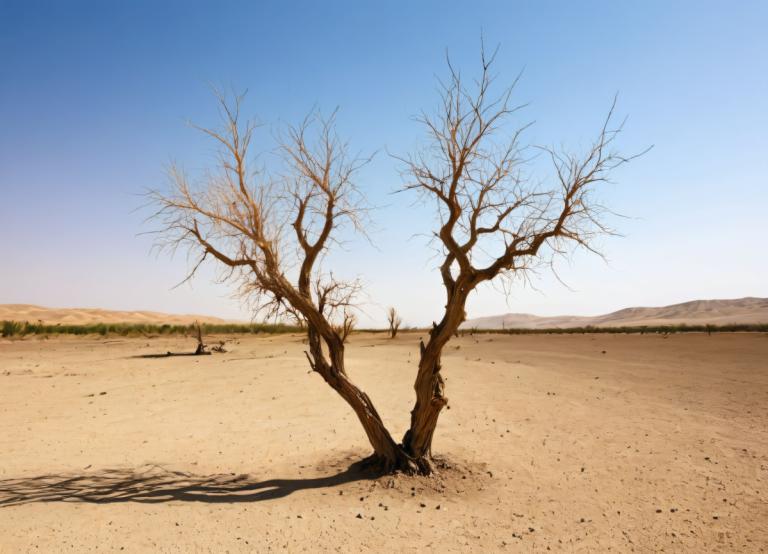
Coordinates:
717	312
86	316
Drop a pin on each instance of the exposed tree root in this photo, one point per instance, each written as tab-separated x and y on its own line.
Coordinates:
404	463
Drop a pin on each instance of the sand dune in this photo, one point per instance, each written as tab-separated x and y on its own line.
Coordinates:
717	312
83	316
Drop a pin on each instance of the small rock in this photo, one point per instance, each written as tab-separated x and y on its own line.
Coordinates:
359	516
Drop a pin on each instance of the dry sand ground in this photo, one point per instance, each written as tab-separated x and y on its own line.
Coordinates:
570	443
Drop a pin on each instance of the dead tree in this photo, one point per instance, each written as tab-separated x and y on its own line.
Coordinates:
394	321
200	344
269	236
494	221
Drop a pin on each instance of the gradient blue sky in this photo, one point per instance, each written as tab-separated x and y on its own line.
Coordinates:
94	97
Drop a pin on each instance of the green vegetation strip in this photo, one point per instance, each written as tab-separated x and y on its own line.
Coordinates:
21	328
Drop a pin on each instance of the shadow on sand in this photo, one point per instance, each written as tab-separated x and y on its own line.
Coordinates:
154	484
169	354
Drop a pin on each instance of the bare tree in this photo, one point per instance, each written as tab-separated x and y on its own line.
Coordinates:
262	231
495	223
395	321
199	334
269	235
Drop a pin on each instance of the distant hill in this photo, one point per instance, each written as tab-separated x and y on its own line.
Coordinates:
85	316
717	312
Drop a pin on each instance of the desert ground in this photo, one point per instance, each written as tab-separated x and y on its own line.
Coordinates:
572	443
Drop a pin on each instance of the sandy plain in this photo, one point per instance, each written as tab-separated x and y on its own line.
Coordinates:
587	443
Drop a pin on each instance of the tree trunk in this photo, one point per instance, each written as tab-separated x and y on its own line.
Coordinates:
430	400
388	455
429	385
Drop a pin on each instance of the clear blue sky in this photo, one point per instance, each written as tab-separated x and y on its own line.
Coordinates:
94	97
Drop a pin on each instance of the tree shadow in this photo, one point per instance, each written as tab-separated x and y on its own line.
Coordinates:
168	355
154	484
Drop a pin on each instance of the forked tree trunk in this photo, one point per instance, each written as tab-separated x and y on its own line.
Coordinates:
414	454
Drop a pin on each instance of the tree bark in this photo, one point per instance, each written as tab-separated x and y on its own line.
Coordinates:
388	455
430	400
429	385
